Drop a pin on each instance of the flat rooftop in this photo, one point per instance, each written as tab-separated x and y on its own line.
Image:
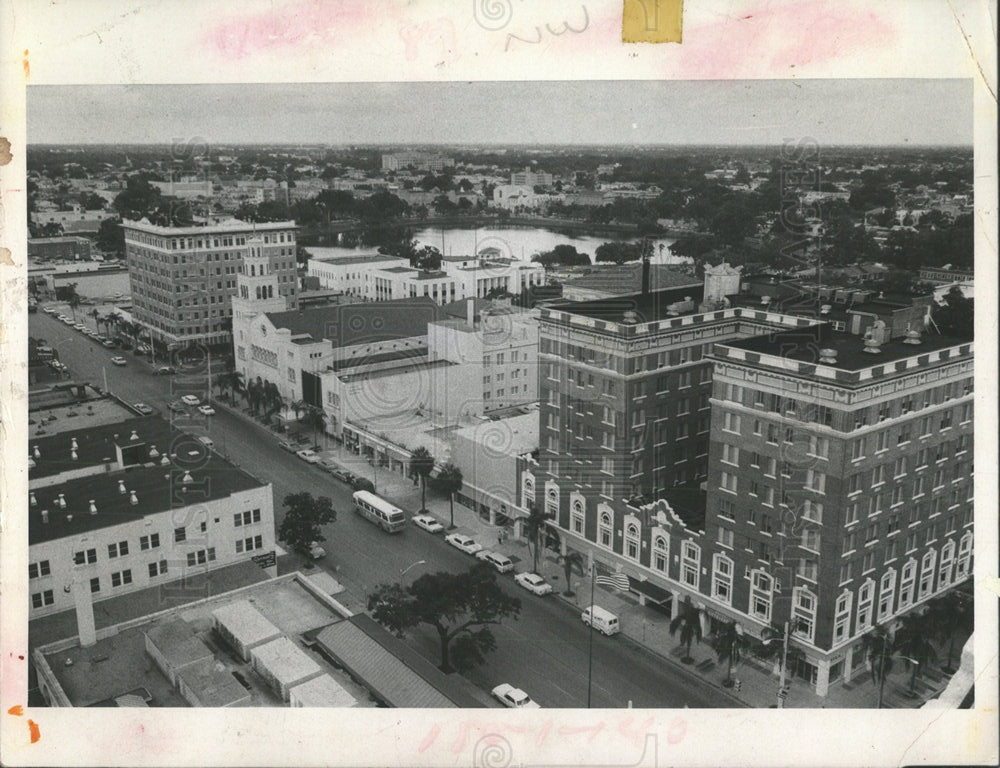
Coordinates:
229	225
119	664
345	325
72	415
648	307
368	375
375	258
802	345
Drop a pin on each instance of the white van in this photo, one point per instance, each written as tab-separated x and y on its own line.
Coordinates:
604	621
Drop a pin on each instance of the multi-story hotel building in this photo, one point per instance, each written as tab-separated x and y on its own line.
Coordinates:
764	466
183	278
121	504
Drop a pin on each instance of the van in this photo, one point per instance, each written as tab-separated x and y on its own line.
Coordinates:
207	442
604	621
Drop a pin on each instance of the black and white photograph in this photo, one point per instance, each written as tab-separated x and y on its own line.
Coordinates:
632	409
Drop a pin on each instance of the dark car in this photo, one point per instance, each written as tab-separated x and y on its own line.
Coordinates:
177	407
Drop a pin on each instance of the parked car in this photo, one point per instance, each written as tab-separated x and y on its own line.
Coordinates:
119	360
513	697
289	446
48	310
428	523
108	344
308	455
142	408
206	441
80	326
463	542
206	410
533	583
501	562
177	407
190	400
163	370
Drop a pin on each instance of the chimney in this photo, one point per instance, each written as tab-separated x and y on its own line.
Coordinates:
133	499
93	507
83	602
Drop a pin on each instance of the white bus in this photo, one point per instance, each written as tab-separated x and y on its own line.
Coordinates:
379	511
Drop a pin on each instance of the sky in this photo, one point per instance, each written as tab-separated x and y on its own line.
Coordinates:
725	112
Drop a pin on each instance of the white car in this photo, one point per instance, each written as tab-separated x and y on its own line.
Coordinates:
119	360
142	408
533	583
206	410
513	697
501	562
308	455
463	542
190	400
428	523
80	326
48	310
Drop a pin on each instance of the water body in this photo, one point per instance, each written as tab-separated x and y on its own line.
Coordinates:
98	285
513	242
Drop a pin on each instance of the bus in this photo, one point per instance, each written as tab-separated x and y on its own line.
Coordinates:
379	511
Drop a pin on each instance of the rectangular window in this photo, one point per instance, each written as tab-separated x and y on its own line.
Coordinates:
730	454
690	563
121	578
180	534
95	585
39	569
725	536
42	599
118	550
728	482
152	541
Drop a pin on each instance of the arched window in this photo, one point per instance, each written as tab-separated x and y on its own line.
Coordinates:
842	617
722	579
632	541
551	500
866	596
906	583
926	584
945	568
886	593
576	516
964	565
604	530
690	564
661	552
761	589
803	613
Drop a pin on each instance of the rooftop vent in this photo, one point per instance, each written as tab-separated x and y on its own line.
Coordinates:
187	478
121	487
133	499
134	435
31	463
912	336
31	499
45	516
61	501
74	455
630	317
765	300
164	460
36	453
825	309
828	355
153	453
69	518
93	507
73	444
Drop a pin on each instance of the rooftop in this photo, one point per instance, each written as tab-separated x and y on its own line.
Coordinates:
229	225
648	307
375	258
368	374
627	279
802	345
347	324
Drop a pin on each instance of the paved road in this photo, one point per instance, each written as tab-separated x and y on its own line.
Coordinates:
545	651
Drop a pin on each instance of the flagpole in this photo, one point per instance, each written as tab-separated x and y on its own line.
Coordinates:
590	653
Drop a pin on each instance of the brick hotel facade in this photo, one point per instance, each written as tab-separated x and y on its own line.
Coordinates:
709	455
183	278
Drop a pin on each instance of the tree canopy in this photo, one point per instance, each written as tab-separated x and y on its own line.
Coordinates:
618	252
461	607
563	255
304	514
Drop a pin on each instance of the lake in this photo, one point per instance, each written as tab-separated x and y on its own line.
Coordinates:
512	242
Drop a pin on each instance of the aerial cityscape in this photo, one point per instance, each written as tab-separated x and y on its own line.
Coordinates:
342	418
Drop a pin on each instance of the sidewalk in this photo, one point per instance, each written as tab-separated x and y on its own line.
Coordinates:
645	626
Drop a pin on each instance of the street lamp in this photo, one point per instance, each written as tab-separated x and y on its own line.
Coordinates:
411	565
784	664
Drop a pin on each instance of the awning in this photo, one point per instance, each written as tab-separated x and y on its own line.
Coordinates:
650	591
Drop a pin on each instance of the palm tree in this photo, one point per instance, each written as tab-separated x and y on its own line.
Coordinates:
222	381
421	464
72	298
112	319
316	419
912	642
449	481
729	644
877	645
951	615
535	527
688	621
300	407
97	319
571	561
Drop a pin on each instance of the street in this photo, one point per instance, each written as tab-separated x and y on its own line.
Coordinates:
545	651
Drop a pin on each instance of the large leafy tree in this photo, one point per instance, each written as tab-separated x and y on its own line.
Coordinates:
304	516
449	481
957	316
618	252
461	607
687	623
951	616
421	465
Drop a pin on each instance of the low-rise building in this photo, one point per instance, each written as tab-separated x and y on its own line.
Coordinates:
52	248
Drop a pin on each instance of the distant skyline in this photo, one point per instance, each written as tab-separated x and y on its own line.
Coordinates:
869	112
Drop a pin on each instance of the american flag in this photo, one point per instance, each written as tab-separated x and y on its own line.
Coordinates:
615	580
